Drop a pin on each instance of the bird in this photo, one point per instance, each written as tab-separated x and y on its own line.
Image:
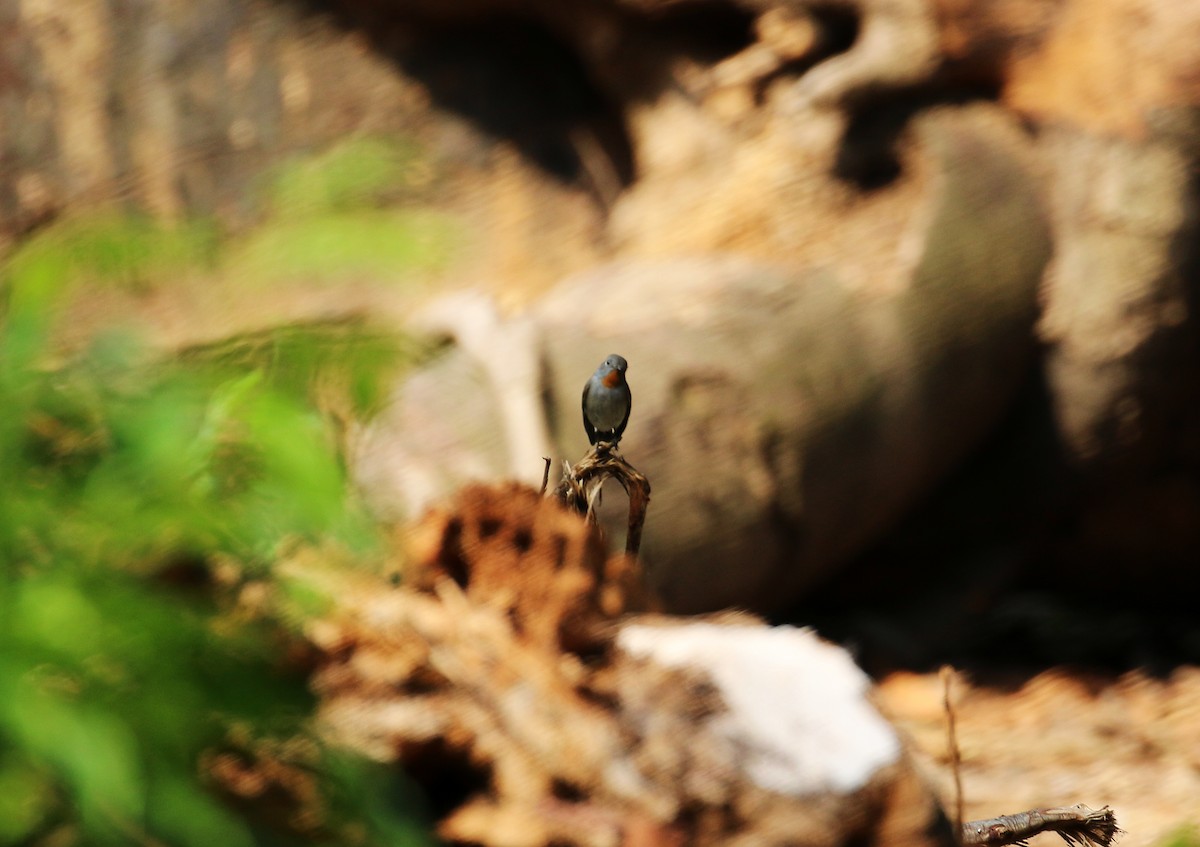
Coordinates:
606	401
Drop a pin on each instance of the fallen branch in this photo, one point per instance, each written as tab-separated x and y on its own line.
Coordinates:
1077	825
580	488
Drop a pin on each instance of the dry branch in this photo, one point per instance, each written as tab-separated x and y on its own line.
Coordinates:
947	675
581	484
1078	825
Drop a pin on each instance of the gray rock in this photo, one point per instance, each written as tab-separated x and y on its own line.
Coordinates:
784	416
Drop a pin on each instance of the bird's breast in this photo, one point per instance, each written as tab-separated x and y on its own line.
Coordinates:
606	407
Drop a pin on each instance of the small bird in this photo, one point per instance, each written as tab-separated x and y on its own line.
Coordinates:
606	401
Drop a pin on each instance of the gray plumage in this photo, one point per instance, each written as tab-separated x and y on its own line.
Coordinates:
607	401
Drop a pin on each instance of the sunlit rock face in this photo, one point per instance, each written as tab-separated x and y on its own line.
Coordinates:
829	231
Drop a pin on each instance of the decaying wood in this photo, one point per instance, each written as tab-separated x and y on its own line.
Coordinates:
1078	825
495	674
504	674
581	484
506	547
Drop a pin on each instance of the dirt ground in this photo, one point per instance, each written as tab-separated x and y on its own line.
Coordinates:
1058	738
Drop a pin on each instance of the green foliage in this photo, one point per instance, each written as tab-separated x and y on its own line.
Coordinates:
329	217
333	217
343	245
356	174
123	659
341	353
1187	835
114	249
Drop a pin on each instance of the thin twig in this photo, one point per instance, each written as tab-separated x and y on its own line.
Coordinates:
947	674
1077	825
545	475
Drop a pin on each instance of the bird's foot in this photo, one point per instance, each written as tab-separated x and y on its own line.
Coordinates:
606	447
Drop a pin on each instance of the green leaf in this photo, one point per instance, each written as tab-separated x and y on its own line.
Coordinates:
358	173
26	797
344	246
95	751
183	814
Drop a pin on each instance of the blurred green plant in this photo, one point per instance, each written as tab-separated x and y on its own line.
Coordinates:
358	173
342	365
1187	835
113	249
335	215
123	484
341	215
344	245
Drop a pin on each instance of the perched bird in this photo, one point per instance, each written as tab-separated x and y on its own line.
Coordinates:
606	401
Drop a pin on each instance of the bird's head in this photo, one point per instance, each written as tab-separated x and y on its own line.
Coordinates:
612	370
616	362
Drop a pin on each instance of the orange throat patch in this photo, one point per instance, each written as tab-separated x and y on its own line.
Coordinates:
612	379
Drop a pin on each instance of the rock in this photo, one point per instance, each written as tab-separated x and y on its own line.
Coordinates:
783	417
1118	314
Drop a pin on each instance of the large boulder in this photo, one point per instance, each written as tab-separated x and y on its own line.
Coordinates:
784	415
